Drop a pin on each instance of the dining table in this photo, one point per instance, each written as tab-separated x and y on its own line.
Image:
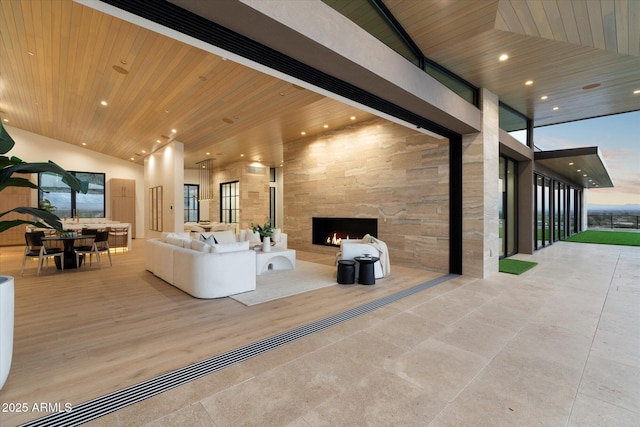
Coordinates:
68	242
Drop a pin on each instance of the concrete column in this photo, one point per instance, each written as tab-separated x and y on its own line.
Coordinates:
480	158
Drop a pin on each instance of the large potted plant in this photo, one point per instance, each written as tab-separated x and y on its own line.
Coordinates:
41	218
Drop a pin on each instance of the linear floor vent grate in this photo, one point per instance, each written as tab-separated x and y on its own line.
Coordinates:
119	399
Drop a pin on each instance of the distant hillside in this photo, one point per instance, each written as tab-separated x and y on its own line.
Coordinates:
628	209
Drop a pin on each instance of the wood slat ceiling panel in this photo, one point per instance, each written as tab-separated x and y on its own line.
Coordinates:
435	24
56	92
610	25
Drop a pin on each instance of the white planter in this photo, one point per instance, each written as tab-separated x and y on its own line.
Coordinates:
266	244
6	326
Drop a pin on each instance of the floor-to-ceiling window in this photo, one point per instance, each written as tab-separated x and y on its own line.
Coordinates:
507	209
191	205
229	202
557	210
68	203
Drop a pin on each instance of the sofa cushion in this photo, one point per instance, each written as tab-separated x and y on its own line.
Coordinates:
181	235
230	247
253	237
177	241
226	236
200	246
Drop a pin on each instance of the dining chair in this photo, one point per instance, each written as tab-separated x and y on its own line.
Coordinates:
100	244
36	249
120	237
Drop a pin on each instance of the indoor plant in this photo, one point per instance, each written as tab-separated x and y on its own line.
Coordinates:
8	167
265	231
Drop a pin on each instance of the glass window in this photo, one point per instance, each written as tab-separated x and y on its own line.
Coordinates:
512	203
229	201
508	203
68	203
513	122
191	205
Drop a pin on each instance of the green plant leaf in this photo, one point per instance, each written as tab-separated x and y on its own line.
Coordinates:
6	142
49	219
18	182
73	182
5	225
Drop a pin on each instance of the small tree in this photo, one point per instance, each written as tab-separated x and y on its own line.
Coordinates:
12	165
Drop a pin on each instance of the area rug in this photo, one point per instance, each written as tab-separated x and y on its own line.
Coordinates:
277	284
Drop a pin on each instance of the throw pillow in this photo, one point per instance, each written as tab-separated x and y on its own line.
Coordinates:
226	236
200	246
207	239
177	241
230	247
210	240
254	237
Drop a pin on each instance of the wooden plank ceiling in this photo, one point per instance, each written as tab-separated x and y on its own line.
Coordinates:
583	56
59	60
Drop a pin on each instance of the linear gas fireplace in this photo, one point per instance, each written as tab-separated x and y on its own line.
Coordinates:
331	231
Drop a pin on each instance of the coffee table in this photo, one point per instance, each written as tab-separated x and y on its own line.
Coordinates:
275	259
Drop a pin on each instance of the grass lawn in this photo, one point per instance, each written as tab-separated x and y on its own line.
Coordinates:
514	266
625	238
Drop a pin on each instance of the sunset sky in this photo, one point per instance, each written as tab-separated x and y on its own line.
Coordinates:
618	138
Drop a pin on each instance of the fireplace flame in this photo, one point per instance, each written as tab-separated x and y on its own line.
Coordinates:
335	240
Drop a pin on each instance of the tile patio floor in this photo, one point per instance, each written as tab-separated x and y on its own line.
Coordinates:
556	346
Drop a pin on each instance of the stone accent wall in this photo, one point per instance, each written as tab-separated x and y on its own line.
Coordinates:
375	169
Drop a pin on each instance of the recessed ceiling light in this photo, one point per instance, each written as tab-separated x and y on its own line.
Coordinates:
353	117
133	158
326	126
241	155
570	163
281	93
543	97
529	82
579	170
144	151
84	144
303	133
556	108
173	131
637	91
158	141
103	103
30	53
6	120
503	57
207	153
585	175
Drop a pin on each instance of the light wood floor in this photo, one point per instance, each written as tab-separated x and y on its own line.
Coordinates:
84	333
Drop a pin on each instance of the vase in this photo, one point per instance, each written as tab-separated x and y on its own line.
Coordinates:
6	326
266	244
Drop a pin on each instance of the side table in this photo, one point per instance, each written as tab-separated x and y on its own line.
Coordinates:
366	275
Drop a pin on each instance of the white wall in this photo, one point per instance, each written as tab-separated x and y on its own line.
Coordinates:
165	168
32	147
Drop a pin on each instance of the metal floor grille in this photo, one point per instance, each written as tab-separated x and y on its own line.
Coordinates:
111	402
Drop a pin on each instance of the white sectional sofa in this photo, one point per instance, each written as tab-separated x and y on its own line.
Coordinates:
200	269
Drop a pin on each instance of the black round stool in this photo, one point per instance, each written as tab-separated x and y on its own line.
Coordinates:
346	272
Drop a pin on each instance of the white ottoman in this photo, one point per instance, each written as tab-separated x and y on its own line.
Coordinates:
275	260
